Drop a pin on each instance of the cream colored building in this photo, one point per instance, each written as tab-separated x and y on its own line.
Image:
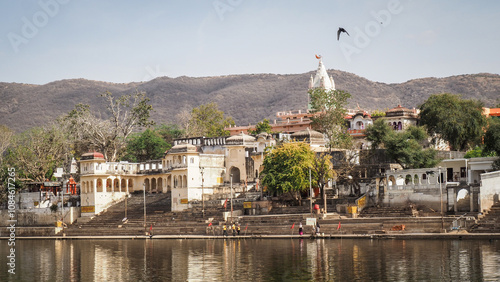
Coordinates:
104	183
192	168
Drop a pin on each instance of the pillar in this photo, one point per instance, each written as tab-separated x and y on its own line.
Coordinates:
471	198
455	202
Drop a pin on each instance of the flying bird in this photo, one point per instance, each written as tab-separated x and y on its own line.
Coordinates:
341	29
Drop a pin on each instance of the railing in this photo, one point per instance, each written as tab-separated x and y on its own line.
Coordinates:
174	166
361	202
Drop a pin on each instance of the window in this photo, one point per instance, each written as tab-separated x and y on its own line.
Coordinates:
359	125
463	172
192	160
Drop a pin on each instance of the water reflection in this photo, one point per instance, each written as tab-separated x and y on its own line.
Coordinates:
253	259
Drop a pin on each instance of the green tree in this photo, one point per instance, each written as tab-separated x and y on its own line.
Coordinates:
406	148
323	172
378	113
458	121
329	107
474	153
492	136
260	127
169	132
492	140
109	136
376	132
286	169
207	120
148	145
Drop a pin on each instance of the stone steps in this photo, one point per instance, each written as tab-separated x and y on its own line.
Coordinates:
489	222
386	212
191	222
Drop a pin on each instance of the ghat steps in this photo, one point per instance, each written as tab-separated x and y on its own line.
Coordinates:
191	222
489	222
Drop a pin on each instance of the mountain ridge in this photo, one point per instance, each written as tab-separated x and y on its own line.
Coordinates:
248	98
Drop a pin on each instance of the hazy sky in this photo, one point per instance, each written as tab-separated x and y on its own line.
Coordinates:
124	41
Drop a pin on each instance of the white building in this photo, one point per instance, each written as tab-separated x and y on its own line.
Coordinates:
192	168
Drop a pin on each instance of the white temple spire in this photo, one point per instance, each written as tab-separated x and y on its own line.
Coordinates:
322	79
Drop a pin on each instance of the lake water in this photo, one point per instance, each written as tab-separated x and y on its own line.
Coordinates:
253	260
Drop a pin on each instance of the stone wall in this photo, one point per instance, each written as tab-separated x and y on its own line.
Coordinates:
40	216
490	189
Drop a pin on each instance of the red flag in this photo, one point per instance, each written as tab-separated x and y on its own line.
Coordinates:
225	203
210	224
151	228
246	227
293	225
338	227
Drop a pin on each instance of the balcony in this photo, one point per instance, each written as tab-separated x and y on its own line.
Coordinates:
175	166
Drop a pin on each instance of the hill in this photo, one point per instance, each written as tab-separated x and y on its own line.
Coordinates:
247	98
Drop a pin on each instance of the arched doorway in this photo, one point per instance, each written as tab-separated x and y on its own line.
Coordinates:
146	184
109	185
123	185
153	185
169	183
116	184
463	200
99	185
130	185
235	172
159	185
392	181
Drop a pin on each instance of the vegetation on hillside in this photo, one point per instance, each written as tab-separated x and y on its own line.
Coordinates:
246	98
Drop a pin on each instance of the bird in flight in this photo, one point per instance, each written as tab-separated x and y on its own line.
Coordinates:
341	29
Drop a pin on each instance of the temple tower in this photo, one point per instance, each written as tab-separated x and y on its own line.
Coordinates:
321	79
